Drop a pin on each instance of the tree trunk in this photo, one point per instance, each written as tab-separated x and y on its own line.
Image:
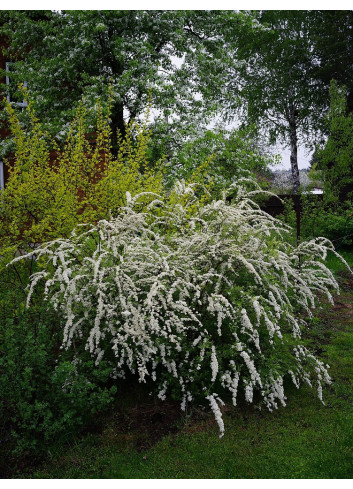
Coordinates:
294	149
117	124
294	164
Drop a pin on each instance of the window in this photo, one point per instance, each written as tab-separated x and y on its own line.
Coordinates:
12	86
2	176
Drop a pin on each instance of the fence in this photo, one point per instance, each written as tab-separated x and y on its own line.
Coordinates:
274	206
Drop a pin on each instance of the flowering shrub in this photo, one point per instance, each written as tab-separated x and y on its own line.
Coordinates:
202	299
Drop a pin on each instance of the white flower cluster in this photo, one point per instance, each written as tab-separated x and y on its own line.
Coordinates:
199	301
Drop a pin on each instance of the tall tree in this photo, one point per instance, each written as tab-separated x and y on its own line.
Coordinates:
69	54
265	74
332	40
65	55
278	81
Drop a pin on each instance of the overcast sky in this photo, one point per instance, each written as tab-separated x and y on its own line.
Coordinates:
304	155
303	158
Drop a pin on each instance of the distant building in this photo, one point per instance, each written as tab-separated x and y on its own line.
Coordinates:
281	182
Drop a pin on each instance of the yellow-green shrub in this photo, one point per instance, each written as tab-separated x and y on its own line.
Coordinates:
51	189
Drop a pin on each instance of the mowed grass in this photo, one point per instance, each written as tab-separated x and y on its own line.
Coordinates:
303	440
335	264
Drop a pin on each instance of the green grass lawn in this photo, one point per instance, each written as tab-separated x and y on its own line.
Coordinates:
306	439
335	264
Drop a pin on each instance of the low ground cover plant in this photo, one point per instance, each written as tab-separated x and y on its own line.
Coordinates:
202	300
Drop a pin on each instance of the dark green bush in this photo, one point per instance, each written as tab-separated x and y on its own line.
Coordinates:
46	394
336	225
319	218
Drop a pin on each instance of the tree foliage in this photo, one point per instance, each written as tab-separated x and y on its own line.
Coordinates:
331	34
65	55
68	55
230	153
277	81
335	160
270	68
